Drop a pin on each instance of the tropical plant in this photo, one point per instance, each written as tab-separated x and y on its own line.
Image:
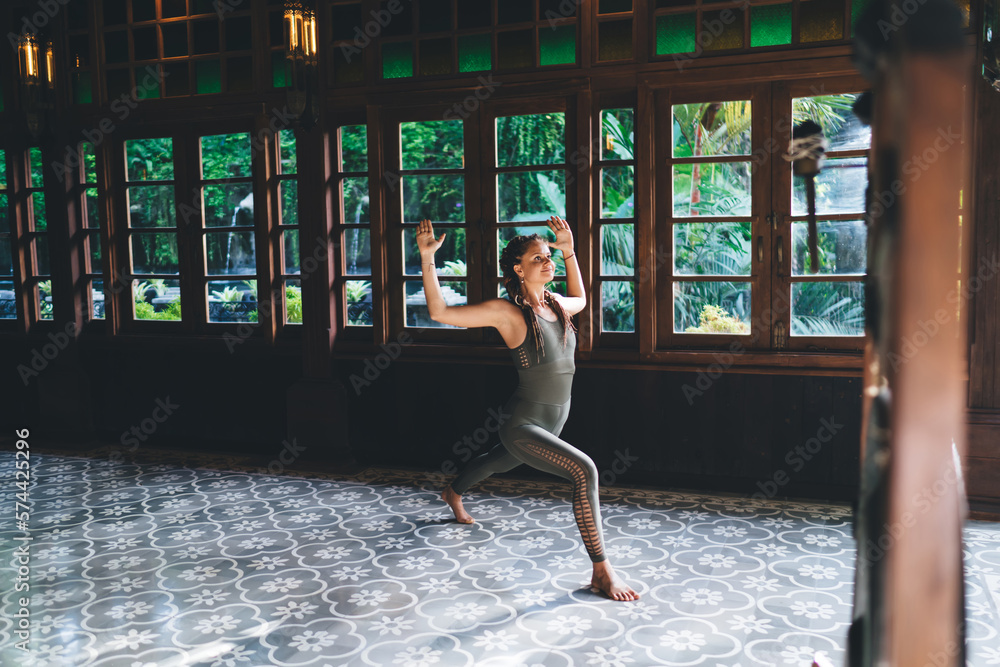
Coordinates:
714	319
293	304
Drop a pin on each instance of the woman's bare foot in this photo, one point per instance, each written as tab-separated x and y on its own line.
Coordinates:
455	503
605	580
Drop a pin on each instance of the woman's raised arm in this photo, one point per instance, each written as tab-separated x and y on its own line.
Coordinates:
493	313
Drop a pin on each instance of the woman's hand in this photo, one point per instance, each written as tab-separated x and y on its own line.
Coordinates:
564	237
426	242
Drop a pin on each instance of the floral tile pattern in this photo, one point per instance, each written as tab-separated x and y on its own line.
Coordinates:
209	562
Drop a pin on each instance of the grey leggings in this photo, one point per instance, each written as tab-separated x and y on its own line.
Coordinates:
524	440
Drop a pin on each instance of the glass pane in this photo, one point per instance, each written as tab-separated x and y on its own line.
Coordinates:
534	139
474	13
828	309
147	83
6	261
618	130
4	216
36	204
722	29
232	301
355	200
230	253
151	206
397	60
150	159
293	302
82	91
359	302
228	205
354	147
290	250
618	306
415	304
157	299
618	250
840	187
712	188
771	25
833	113
715	308
279	69
535	195
154	252
618	192
435	56
3	170
821	20
435	15
358	251
614	6
843	247
94	252
712	248
515	49
226	156
97	299
474	52
42	264
37	168
89	162
434	144
93	210
434	198
43	296
8	305
515	11
557	46
286	144
614	40
675	33
207	77
288	192
450	258
712	128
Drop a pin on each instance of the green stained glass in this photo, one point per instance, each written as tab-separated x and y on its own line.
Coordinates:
771	25
208	78
675	33
474	53
3	170
821	20
858	7
397	60
278	73
82	92
731	35
147	83
557	45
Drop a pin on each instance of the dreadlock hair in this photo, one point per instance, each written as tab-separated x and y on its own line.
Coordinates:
510	256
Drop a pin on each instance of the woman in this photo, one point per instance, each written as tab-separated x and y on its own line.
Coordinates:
536	327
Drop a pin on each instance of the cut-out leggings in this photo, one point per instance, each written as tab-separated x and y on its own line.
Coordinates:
531	436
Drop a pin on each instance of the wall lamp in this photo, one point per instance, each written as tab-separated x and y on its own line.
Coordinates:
300	52
38	80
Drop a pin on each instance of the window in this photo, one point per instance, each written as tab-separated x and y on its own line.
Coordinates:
615	226
91	224
288	220
38	282
8	302
151	237
352	198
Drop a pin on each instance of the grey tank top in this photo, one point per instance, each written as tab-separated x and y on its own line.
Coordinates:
549	380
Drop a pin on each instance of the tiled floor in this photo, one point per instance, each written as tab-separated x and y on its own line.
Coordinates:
168	563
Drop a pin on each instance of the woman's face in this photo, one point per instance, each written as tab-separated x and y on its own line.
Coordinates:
536	263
